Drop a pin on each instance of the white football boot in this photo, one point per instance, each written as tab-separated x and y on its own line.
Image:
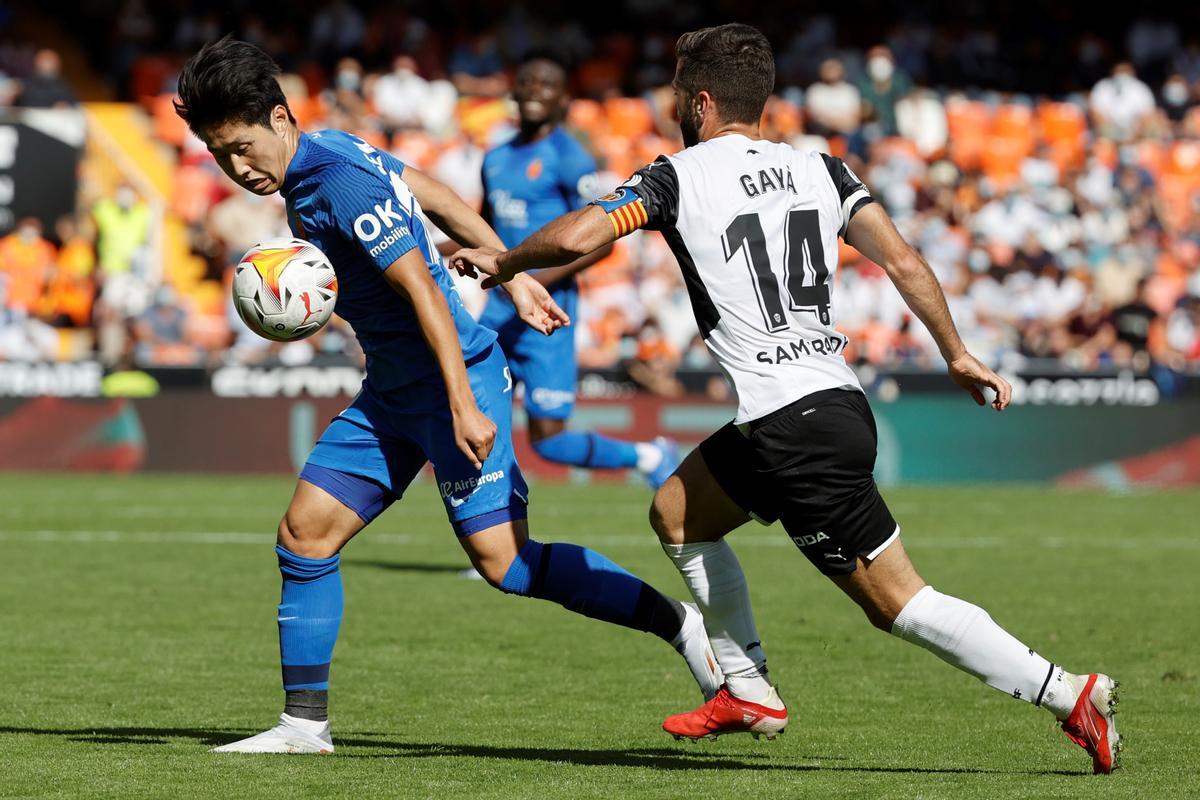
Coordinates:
692	644
291	735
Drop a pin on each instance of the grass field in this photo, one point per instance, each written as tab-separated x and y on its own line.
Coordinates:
137	630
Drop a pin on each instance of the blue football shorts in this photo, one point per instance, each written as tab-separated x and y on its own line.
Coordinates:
544	364
374	449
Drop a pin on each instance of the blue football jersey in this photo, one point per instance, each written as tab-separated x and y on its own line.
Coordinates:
527	184
350	200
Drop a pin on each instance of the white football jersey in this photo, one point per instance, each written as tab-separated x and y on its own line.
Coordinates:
755	228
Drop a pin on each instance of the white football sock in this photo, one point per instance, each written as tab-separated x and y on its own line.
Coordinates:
649	456
718	585
965	636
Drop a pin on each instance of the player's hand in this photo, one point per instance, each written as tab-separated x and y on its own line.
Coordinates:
474	434
535	305
970	373
470	262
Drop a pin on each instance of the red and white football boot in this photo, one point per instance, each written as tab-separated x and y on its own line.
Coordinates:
728	714
1093	725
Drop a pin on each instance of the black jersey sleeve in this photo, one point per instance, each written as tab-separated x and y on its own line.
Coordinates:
649	199
852	193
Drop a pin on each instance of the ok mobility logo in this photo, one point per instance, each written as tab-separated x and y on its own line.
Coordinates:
470	486
386	221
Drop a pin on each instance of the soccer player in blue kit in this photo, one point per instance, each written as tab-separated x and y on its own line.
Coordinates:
537	176
437	389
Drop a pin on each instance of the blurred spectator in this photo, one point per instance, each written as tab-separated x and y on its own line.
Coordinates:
122	230
1134	324
45	88
161	333
921	118
1008	219
1121	104
406	100
71	289
344	98
654	362
244	219
1177	100
25	338
833	104
1183	332
476	67
338	29
26	264
1040	218
882	87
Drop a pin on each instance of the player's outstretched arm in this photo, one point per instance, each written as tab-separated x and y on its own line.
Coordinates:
473	431
448	211
872	233
559	241
463	224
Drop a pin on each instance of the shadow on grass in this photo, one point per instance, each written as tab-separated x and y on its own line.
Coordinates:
663	758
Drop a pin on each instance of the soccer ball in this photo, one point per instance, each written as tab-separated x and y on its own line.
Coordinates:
284	289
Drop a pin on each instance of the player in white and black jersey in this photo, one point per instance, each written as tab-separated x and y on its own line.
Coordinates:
755	228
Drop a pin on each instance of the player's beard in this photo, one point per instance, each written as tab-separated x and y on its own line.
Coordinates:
689	126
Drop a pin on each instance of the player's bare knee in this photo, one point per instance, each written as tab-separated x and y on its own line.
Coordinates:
541	428
493	570
306	538
666	515
879	617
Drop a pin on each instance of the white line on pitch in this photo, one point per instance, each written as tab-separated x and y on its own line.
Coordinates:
761	540
147	537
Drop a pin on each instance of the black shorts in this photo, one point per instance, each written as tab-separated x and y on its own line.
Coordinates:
810	465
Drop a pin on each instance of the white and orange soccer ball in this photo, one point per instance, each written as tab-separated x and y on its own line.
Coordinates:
284	289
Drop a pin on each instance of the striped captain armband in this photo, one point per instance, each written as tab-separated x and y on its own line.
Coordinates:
625	211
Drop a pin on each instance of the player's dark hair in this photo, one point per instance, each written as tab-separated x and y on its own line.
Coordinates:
545	54
229	81
733	63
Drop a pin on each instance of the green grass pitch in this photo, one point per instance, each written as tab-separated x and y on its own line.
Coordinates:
137	630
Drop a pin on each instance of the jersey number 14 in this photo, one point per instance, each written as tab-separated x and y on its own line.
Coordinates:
804	254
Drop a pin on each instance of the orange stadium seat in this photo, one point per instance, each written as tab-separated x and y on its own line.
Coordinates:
372	137
599	77
896	147
167	124
1063	128
1001	160
1014	123
1105	151
192	193
969	123
629	117
648	148
588	116
784	117
147	78
414	147
1183	162
617	153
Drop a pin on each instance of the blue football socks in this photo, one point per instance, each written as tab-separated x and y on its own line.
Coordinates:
310	613
587	583
587	449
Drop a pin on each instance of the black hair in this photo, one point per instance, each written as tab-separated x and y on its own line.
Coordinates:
733	63
229	81
545	54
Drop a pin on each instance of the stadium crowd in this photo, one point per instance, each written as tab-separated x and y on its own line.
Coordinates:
1063	225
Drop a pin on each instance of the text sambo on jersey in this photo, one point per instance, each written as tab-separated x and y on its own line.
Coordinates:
755	227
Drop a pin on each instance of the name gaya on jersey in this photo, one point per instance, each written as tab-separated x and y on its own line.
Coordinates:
350	200
754	226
